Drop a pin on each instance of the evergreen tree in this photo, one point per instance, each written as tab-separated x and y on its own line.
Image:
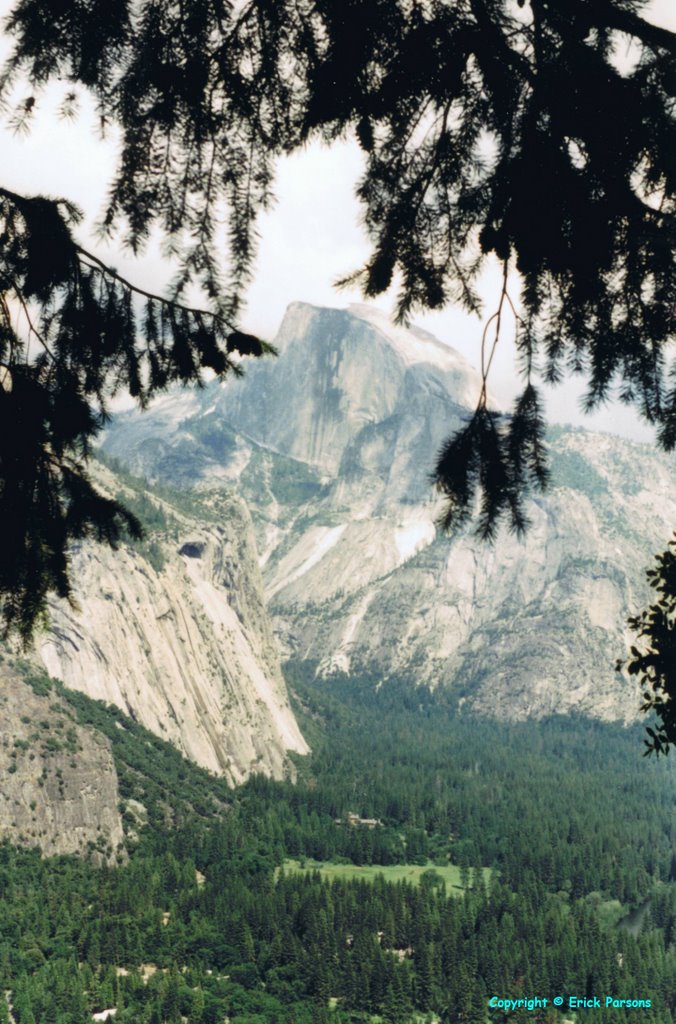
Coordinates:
655	664
171	1001
396	1006
82	318
197	1004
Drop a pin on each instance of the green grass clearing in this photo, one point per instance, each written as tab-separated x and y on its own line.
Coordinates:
411	873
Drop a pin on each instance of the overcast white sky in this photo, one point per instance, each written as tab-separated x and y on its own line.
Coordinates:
312	236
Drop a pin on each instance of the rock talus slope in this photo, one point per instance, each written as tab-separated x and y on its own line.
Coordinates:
332	445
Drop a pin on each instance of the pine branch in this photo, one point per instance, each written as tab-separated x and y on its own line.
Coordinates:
100	266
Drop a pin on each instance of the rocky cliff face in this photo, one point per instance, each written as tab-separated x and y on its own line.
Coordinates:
332	445
59	784
176	634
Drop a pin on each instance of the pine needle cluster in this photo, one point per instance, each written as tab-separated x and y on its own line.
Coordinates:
654	662
73	334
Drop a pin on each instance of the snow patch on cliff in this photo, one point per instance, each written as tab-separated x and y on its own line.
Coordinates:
412	536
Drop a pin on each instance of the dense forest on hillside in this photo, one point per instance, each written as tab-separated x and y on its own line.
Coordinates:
223	911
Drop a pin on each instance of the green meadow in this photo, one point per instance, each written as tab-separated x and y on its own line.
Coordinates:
412	873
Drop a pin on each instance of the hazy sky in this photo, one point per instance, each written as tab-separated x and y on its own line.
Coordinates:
311	237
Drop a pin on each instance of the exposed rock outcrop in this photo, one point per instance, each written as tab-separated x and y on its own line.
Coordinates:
180	640
332	445
59	787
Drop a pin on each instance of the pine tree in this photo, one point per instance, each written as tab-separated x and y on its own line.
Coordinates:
426	980
21	1002
197	1004
477	1010
171	998
395	1009
655	663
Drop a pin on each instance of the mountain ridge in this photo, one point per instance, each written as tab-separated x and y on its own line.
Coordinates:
356	571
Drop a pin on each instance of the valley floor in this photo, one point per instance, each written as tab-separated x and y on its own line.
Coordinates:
503	861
